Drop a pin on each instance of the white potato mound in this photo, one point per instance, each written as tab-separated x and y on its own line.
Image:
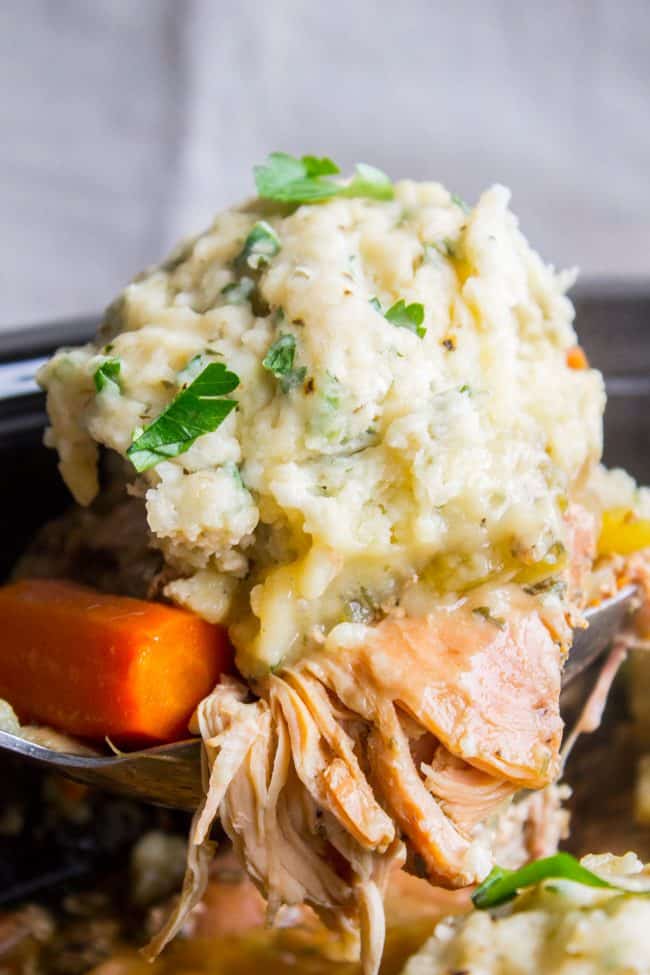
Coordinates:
557	928
395	460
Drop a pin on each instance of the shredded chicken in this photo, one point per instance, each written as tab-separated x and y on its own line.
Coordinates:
343	763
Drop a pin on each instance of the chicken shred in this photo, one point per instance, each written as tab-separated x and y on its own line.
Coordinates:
319	781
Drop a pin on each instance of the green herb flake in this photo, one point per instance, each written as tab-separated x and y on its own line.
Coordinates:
287	179
361	608
544	586
439	248
556	553
376	304
487	615
106	376
460	202
259	247
465	389
501	885
238	292
191	370
279	361
407	316
200	408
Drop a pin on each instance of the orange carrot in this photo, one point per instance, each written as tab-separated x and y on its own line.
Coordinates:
576	358
94	665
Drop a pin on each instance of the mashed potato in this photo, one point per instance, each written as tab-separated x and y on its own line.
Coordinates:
557	928
391	463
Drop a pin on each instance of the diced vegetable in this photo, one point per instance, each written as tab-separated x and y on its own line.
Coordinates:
576	358
622	532
96	665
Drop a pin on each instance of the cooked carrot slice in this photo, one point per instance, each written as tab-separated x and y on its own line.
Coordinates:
93	665
576	358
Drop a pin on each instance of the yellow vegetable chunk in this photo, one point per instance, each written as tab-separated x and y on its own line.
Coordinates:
623	532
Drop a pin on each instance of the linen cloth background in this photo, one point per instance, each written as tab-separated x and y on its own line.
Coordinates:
126	123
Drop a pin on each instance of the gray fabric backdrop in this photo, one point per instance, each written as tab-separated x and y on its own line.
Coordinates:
126	123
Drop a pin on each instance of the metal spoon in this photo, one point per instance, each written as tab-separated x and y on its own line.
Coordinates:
170	775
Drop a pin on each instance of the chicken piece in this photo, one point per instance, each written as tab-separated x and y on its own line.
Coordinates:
467	795
449	857
488	691
318	778
342	785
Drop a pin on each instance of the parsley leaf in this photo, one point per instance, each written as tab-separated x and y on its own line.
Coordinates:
105	377
287	179
407	316
502	885
198	409
369	182
315	166
259	247
279	361
238	292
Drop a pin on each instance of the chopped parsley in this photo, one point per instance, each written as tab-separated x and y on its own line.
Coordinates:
279	361
501	885
556	553
106	376
287	179
403	315
460	202
444	248
407	316
361	608
238	292
198	409
259	247
487	615
550	585
193	368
